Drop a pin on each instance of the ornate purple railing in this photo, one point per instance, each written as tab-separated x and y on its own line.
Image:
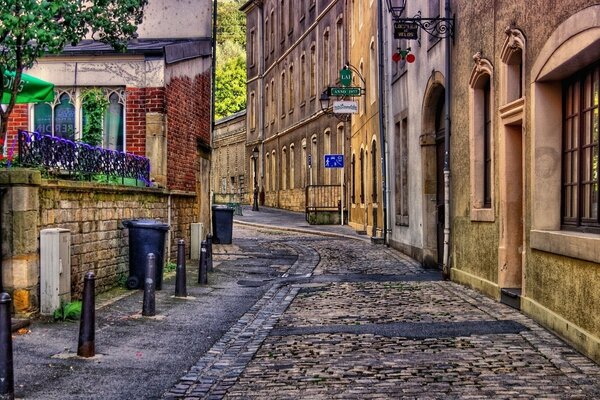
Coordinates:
60	157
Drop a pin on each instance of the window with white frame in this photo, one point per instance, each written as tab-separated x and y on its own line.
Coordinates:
284	170
292	166
64	117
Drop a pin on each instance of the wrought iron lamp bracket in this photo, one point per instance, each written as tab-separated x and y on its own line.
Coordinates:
437	27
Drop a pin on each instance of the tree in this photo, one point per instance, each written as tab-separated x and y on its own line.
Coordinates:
230	90
230	93
31	28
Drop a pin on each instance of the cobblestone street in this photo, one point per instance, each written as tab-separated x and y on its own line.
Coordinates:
349	319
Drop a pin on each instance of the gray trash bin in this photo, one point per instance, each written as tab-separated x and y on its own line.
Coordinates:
222	224
145	236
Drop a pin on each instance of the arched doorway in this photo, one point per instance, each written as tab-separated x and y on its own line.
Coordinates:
432	167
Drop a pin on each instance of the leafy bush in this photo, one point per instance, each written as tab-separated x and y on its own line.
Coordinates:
68	311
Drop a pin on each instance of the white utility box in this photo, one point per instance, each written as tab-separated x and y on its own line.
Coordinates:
55	269
197	236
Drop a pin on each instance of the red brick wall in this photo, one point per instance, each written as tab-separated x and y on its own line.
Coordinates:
188	120
135	128
19	119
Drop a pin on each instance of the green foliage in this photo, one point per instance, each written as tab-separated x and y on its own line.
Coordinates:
230	93
94	104
31	28
170	267
68	311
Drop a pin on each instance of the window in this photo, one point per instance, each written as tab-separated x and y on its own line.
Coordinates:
65	118
272	32
283	89
314	161
291	81
580	206
290	18
273	105
361	159
327	150
481	140
292	166
282	21
339	44
304	163
302	77
401	141
361	102
284	169
374	159
268	172
268	38
372	72
326	66
268	106
273	171
251	48
313	72
252	111
353	166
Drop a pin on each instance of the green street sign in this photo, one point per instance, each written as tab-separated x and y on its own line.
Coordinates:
345	77
344	91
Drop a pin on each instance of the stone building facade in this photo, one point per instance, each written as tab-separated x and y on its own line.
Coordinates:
366	168
229	167
295	50
415	94
524	160
159	92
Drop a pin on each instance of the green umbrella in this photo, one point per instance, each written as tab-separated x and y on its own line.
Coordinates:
32	90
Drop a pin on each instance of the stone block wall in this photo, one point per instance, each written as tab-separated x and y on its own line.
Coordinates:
93	213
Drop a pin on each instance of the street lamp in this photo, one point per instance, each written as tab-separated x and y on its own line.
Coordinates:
255	161
324	100
396	7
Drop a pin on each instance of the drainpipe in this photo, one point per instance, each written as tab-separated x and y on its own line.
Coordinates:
447	126
382	119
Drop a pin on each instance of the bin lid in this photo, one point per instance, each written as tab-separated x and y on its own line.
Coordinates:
221	207
146	224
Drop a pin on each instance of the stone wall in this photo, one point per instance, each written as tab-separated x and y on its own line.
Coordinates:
94	214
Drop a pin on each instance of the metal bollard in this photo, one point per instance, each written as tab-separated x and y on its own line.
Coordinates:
87	325
180	283
149	305
202	268
7	384
209	253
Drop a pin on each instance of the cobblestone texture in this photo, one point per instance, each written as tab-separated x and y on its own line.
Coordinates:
256	360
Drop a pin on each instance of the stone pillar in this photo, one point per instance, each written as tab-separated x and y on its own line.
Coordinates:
20	225
156	147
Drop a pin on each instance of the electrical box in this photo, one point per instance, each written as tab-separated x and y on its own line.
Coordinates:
55	269
197	236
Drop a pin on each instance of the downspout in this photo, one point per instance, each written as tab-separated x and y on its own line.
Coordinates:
212	105
447	126
382	120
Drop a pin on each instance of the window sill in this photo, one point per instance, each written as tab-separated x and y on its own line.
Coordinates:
482	214
583	246
401	220
291	111
302	104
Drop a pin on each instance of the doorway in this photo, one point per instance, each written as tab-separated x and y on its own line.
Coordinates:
440	134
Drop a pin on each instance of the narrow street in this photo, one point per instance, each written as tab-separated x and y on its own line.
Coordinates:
288	314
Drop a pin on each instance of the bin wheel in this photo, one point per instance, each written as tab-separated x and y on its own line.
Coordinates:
132	282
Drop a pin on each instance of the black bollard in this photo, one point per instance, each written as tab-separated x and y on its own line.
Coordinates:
149	305
180	284
7	384
202	268
209	253
87	325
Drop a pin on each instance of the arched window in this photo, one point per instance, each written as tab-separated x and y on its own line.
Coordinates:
362	175
284	170
481	140
292	166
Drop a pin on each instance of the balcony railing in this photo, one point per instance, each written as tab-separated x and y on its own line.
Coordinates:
62	158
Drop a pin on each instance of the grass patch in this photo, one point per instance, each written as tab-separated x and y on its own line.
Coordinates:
68	312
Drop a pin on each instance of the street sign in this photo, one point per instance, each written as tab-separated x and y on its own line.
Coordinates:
345	107
344	91
334	161
345	77
406	30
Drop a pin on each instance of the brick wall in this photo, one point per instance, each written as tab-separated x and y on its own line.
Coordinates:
188	121
135	127
19	119
94	215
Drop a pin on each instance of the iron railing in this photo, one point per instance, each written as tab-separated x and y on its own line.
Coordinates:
64	158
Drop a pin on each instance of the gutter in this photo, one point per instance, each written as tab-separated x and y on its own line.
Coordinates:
447	126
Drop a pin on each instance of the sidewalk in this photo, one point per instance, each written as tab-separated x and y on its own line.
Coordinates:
292	221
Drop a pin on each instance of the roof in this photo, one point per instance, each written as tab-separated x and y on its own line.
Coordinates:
230	117
172	49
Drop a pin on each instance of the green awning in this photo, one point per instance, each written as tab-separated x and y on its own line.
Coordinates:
32	90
